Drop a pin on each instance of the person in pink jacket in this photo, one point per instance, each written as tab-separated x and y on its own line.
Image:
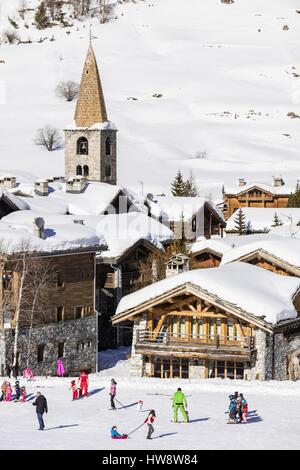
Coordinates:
8	392
113	392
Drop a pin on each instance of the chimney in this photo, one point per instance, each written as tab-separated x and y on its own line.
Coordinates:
242	182
41	187
8	182
177	264
76	185
78	221
38	227
278	181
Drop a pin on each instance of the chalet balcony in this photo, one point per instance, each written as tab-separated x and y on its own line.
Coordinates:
148	340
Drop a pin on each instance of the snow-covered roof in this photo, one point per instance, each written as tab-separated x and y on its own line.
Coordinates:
263	218
16	201
97	126
270	188
286	249
173	208
254	290
95	200
119	231
17	234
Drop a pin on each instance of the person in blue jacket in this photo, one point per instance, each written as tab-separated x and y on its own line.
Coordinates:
116	435
232	410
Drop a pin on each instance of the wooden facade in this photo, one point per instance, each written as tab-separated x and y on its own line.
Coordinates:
205	258
253	197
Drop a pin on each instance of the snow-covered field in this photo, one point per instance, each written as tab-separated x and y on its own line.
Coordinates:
274	418
229	74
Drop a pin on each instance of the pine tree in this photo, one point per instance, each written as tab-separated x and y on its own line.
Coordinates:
240	222
276	221
178	186
191	189
41	18
294	198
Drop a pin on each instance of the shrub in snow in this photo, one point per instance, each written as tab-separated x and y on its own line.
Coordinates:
13	23
11	37
68	90
227	1
41	17
49	137
285	27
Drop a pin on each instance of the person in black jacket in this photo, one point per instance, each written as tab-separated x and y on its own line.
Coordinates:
41	407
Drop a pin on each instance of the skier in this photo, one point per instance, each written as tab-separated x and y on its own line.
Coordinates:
116	435
3	391
74	390
83	384
41	407
17	390
113	392
244	406
232	410
60	368
180	402
8	396
23	394
149	421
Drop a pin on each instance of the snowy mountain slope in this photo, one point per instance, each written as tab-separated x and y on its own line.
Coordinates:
227	88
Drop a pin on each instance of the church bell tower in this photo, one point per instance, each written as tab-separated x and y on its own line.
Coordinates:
91	143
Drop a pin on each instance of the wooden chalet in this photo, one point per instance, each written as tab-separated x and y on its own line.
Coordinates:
255	195
184	329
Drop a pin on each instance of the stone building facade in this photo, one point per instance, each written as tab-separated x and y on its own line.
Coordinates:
73	341
91	145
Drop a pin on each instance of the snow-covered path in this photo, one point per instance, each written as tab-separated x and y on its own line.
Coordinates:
86	424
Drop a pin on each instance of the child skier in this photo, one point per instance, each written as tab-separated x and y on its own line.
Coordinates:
83	383
74	390
232	410
17	390
23	394
149	421
8	392
3	391
244	407
116	435
113	392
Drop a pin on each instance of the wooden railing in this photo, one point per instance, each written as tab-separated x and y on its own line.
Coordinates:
167	338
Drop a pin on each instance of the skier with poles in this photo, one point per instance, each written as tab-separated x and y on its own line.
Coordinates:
113	392
180	403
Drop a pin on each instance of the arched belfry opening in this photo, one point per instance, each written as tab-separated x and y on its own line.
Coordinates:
82	146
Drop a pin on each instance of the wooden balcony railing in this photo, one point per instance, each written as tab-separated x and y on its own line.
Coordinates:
217	341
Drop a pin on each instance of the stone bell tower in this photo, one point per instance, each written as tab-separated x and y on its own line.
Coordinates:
91	144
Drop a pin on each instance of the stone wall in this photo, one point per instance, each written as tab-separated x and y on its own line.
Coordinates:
96	159
280	357
137	362
197	369
72	333
262	366
2	353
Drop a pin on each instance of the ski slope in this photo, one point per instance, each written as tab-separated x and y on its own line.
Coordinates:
228	75
274	418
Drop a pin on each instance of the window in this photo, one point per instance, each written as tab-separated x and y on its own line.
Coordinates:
59	313
40	352
85	170
78	312
83	345
108	146
78	170
107	171
60	350
59	280
82	146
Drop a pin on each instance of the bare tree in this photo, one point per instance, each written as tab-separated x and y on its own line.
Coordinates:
49	137
106	11
68	90
23	6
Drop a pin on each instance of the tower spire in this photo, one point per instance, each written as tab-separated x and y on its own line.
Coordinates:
90	107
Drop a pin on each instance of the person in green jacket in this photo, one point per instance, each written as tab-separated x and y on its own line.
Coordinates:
179	403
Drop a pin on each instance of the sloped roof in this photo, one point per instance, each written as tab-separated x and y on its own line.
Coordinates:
254	290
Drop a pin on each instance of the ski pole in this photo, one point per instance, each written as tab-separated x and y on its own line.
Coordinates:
136	429
119	403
